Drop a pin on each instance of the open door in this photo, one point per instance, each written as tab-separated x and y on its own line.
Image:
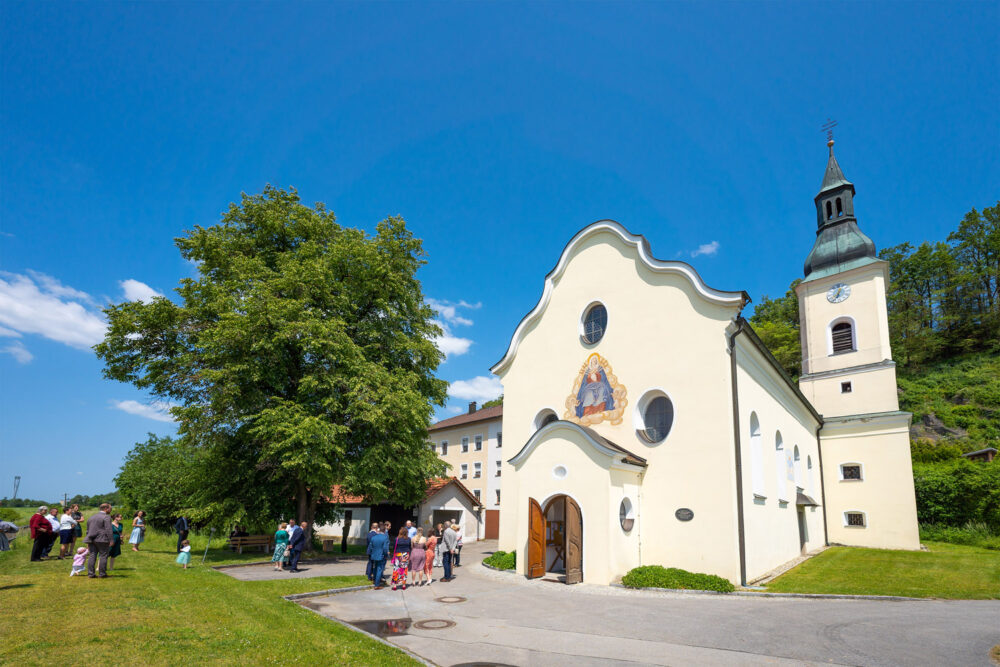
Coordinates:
574	542
536	540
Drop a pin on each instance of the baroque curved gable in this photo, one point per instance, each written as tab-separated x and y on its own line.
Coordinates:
640	246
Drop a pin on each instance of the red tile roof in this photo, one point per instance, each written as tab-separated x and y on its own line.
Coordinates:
434	485
479	415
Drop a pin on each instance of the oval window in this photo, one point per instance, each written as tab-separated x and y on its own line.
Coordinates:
595	321
625	515
657	418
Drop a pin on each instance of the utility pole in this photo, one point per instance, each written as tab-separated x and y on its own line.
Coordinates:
17	484
65	499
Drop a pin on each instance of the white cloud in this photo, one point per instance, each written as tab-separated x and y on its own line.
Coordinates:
452	346
706	249
158	410
8	333
448	310
455	409
79	472
137	291
40	304
19	352
481	388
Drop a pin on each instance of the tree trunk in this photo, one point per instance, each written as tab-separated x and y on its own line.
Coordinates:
306	511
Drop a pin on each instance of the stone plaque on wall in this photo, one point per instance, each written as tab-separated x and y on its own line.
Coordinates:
684	514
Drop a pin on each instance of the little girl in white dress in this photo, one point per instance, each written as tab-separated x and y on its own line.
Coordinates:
184	557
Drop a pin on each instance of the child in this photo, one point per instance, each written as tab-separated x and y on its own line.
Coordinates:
79	561
184	557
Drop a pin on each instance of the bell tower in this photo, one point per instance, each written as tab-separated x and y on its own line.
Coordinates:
846	359
849	377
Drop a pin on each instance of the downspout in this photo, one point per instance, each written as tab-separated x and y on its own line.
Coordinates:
739	455
822	485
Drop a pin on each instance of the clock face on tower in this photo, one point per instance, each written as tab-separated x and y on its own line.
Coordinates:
838	293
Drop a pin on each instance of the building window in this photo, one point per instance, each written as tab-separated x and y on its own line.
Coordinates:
840	207
855	519
479	443
809	472
851	472
595	322
829	210
477	470
842	335
434	448
465	471
797	467
626	517
654	416
499	439
476	493
845	388
444	448
544	417
779	468
465	445
499	466
756	457
498	496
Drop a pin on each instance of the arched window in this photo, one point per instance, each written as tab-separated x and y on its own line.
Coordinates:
840	208
756	456
798	467
780	466
842	337
544	417
654	416
829	210
809	472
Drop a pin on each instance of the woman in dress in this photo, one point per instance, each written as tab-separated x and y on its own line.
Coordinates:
280	545
138	530
400	559
430	548
117	528
418	557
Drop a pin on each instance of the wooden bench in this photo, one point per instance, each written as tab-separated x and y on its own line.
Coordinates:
263	541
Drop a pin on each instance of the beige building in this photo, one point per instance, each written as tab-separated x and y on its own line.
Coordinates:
472	444
652	426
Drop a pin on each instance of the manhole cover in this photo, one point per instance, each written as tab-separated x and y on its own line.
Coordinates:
434	624
450	599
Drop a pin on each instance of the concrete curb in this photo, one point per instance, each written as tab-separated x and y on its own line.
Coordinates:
755	594
354	628
496	569
330	591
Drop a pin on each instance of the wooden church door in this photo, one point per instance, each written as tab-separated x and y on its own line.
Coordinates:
574	542
536	540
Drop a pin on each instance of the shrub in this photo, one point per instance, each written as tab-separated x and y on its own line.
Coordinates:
973	534
956	492
657	576
502	560
7	514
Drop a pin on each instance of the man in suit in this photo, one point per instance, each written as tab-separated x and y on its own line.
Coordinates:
448	540
378	554
99	538
182	528
374	529
296	543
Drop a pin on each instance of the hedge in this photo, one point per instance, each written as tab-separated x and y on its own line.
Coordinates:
955	493
502	560
657	576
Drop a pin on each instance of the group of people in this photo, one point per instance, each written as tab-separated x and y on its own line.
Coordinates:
289	541
103	540
413	554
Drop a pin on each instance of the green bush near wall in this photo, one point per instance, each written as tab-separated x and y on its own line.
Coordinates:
8	514
502	560
657	576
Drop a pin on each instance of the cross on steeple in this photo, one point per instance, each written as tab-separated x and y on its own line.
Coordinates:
828	128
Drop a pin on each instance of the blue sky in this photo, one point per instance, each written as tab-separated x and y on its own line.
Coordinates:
496	130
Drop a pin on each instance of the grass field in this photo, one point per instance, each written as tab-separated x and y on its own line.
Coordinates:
151	611
944	571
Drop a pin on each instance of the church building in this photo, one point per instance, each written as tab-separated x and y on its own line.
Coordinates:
649	425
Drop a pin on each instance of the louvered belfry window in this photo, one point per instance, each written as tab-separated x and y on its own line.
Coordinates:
843	338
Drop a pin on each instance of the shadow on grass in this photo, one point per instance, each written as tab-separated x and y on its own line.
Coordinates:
7	588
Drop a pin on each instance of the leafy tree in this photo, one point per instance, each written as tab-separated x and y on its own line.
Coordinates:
495	402
776	322
159	476
302	356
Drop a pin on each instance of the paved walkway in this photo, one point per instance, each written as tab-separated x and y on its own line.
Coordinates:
332	568
506	619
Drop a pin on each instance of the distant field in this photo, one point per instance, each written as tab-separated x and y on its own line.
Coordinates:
944	571
153	612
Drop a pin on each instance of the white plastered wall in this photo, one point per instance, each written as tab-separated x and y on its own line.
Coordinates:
661	333
360	520
450	498
771	527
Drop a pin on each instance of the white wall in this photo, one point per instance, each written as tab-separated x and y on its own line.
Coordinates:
450	498
360	521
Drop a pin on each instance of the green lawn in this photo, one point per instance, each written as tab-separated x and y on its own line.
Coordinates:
944	571
151	611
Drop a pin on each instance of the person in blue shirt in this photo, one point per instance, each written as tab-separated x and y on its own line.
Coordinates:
378	554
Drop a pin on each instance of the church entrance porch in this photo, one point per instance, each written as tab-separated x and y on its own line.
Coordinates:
556	539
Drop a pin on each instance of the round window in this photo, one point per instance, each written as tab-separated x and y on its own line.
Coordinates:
625	515
657	418
595	321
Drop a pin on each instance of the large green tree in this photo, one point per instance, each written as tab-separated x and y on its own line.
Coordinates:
776	321
301	356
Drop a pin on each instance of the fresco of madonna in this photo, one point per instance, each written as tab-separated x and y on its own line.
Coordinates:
596	396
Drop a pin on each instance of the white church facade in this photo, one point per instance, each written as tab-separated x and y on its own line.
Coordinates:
652	426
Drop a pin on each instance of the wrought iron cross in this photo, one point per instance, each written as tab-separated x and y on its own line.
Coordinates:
828	128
